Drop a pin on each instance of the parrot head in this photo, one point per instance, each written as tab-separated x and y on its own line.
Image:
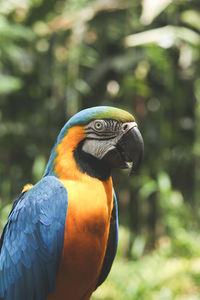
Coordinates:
97	140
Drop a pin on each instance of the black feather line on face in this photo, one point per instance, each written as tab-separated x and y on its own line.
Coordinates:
102	134
90	165
110	127
100	139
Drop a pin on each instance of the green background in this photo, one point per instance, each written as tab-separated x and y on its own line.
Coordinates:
58	57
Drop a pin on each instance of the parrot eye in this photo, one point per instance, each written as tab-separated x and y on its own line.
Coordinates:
98	125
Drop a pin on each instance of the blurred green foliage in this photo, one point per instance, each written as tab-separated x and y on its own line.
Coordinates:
58	57
159	275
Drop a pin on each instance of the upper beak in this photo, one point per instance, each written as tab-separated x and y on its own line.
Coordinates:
129	148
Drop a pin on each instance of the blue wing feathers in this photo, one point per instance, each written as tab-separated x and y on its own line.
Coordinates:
32	241
111	245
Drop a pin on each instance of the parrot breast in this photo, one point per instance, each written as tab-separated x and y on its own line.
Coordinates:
90	203
86	236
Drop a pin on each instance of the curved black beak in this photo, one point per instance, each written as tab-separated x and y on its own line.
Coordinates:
129	148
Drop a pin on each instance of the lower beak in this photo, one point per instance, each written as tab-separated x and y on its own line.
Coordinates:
130	148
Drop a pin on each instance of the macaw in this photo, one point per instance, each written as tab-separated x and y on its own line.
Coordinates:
61	235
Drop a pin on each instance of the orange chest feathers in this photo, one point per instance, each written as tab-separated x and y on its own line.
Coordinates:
90	203
86	236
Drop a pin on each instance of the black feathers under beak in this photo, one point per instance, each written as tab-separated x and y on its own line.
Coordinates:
130	148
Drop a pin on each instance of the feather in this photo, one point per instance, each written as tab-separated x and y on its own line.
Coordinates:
32	242
111	246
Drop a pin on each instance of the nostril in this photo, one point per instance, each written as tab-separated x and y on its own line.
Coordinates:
125	127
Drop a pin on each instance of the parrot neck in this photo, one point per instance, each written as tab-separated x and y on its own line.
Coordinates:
90	165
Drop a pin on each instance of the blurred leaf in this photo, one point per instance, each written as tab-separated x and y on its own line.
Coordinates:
8	6
191	17
9	84
138	247
148	188
4	212
38	167
151	9
165	37
164	182
14	31
82	86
